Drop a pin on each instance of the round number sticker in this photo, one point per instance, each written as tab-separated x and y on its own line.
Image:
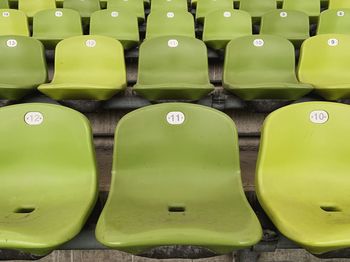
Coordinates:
258	42
114	14
173	43
11	43
5	14
319	117
58	14
90	43
340	13
333	42
170	14
34	118
175	118
283	14
227	14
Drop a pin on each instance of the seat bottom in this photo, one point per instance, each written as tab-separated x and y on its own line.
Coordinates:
334	93
13	92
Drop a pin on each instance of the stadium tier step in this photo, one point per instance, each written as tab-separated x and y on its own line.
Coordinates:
87	67
4	4
311	7
53	25
85	7
290	24
194	167
173	67
262	67
302	178
223	25
22	66
163	23
48	176
118	24
30	8
13	22
133	6
325	64
257	8
169	5
334	21
339	4
204	7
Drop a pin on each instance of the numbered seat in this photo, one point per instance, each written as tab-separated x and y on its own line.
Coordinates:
134	6
22	66
13	22
30	8
223	25
48	176
87	67
204	7
338	4
257	8
54	25
216	215
169	5
302	144
311	7
290	24
173	68
334	21
120	25
4	4
262	67
85	8
324	63
162	23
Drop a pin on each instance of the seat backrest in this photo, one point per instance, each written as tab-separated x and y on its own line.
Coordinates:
4	4
169	5
173	59
325	60
204	7
22	61
310	7
30	8
162	23
13	22
257	8
259	59
135	6
54	22
90	59
85	8
338	4
334	21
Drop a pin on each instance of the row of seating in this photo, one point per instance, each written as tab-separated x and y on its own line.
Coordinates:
188	191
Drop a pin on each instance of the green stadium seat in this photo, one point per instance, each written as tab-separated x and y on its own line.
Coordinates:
135	6
169	5
4	4
339	4
325	63
87	67
120	25
290	24
262	67
84	7
30	8
22	66
311	7
257	8
334	21
302	178
162	23
187	192
173	67
48	176
223	25
13	22
204	7
53	25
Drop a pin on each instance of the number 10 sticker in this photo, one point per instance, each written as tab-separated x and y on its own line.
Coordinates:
319	117
175	118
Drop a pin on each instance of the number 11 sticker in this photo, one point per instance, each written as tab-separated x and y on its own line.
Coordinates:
175	118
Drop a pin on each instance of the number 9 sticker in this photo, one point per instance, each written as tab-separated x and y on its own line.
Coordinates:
258	42
319	117
175	118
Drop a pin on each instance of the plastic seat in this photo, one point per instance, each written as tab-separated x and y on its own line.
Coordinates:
135	6
30	8
187	192
338	4
13	22
22	66
173	68
120	25
4	4
325	63
169	5
85	7
87	67
257	8
223	25
48	176
262	67
334	21
311	7
170	23
204	7
293	25
302	178
54	25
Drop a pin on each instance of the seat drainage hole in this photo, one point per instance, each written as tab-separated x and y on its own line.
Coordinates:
331	208
176	209
24	210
